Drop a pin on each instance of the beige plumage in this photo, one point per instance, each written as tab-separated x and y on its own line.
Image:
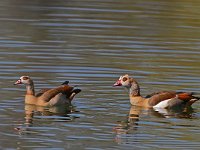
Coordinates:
61	95
163	99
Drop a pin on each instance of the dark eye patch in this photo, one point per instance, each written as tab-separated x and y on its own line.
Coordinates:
25	78
124	79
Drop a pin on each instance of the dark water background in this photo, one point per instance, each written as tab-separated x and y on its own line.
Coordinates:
91	43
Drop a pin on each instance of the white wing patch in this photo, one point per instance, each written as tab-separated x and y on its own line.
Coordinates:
163	104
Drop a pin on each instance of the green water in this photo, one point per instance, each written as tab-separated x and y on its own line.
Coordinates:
91	43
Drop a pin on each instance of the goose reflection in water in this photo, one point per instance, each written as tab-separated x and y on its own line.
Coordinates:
55	113
137	114
131	122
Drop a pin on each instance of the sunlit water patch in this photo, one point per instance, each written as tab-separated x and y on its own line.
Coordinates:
91	44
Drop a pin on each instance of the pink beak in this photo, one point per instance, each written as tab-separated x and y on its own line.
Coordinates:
118	83
18	82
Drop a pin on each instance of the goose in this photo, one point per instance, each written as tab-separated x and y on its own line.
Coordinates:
61	95
162	99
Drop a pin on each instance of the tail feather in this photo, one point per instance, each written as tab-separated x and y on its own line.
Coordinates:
65	83
197	98
73	93
190	102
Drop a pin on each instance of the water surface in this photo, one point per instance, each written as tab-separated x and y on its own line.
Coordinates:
92	43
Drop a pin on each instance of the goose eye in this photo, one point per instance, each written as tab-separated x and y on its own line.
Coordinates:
124	79
25	78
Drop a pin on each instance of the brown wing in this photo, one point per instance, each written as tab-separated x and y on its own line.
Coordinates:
186	96
69	95
156	98
46	96
46	89
41	92
160	92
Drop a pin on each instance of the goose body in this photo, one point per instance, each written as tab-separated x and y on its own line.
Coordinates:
163	99
61	95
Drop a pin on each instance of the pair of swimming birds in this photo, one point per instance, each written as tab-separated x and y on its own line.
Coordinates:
64	94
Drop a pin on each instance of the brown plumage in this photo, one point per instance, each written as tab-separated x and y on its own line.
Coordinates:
61	95
158	97
163	99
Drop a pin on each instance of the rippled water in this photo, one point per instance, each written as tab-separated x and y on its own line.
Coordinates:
91	43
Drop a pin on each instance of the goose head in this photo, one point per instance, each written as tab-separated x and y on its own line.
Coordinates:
124	81
26	80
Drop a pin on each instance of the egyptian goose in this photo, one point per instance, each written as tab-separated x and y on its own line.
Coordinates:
163	99
61	95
